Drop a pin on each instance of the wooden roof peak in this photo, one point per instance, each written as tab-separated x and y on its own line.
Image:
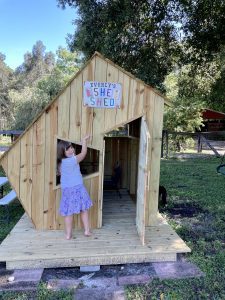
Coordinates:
48	106
96	53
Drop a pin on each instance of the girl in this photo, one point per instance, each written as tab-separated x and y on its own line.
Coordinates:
75	198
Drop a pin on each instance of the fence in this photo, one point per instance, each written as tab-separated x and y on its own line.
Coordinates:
203	139
3	123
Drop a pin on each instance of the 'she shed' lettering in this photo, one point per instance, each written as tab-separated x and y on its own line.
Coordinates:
102	94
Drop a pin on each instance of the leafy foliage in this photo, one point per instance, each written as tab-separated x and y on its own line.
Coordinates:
38	80
36	65
68	63
5	77
178	118
204	27
138	35
27	104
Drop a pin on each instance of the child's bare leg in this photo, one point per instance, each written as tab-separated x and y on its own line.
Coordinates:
85	221
68	226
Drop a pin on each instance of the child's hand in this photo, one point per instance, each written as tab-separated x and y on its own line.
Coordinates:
87	137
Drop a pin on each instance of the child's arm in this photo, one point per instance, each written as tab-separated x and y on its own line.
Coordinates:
83	153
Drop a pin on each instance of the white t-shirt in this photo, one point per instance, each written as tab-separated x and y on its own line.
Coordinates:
70	172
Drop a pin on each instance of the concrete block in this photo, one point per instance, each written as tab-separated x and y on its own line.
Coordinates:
101	282
27	275
62	284
89	268
19	280
134	279
100	294
177	270
18	286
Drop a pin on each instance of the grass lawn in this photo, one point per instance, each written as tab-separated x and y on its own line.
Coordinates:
16	211
5	140
196	210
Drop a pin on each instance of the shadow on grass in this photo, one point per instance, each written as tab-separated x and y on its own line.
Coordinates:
182	210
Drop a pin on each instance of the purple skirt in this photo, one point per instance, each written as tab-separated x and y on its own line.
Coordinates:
74	200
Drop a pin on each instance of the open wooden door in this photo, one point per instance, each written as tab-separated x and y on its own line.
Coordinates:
142	182
101	180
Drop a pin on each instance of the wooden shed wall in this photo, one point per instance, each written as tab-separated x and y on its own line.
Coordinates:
30	163
117	149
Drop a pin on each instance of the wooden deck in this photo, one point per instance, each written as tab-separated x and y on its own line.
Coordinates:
116	242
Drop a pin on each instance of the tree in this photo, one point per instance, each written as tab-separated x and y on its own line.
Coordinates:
204	27
216	99
6	75
36	65
67	63
190	91
139	35
29	99
25	106
185	113
187	104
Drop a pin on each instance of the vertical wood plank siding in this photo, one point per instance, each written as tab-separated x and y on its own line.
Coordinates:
38	172
87	112
4	163
98	142
121	114
155	160
110	114
14	167
50	167
99	114
76	108
64	113
26	182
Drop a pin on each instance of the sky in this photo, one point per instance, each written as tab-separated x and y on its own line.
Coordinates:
24	22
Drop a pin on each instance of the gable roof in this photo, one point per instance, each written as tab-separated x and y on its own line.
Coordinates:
48	106
212	114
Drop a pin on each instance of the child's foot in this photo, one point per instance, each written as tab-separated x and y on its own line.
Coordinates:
87	233
68	237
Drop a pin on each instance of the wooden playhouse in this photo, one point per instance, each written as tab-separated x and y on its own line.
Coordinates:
125	229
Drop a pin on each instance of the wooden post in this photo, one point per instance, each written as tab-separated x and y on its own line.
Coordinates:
167	143
199	143
163	134
164	141
1	192
210	146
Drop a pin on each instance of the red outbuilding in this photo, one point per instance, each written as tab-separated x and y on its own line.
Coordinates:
213	120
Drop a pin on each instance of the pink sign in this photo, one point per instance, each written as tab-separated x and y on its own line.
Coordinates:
102	94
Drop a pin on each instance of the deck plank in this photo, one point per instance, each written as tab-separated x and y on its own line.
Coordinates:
117	242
